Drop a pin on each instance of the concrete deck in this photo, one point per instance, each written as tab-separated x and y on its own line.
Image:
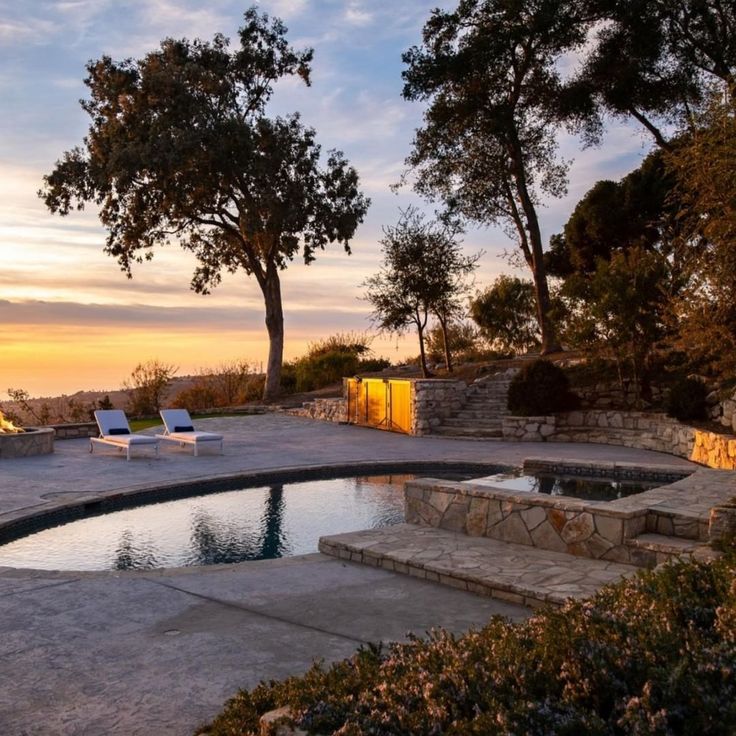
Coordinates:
142	653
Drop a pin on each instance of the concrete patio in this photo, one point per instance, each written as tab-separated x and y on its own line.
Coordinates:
159	652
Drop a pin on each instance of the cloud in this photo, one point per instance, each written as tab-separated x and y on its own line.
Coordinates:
357	15
16	32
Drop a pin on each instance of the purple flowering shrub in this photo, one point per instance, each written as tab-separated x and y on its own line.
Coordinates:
652	655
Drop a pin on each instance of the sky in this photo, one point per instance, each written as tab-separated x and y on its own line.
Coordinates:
69	318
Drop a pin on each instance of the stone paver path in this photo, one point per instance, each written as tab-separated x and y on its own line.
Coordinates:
511	572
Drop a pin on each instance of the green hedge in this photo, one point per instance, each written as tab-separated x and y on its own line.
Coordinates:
652	655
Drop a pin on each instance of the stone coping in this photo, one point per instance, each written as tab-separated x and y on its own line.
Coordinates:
510	572
476	490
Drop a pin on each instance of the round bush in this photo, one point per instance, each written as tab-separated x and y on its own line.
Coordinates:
540	388
687	400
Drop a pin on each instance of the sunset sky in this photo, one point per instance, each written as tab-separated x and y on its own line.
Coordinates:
70	320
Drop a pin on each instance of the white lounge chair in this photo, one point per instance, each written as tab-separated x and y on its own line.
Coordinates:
179	429
115	432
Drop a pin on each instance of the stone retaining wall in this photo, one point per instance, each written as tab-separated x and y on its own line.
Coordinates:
75	431
326	410
641	430
432	400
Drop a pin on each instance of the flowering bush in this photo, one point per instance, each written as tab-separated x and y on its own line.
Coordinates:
651	655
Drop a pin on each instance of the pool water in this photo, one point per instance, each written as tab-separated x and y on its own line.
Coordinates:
589	489
232	526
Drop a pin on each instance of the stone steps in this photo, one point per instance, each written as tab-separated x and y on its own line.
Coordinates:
650	549
511	572
481	414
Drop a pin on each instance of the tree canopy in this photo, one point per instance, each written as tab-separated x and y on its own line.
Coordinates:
179	149
638	211
653	60
704	166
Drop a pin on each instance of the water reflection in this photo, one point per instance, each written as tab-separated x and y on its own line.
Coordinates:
224	527
216	541
134	555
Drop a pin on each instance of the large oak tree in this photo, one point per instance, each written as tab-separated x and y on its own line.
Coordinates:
491	73
180	149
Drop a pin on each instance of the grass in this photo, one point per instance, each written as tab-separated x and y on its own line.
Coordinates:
137	425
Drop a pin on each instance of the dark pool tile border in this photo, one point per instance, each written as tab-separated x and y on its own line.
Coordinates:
38	520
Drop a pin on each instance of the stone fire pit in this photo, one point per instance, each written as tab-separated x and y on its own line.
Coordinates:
29	442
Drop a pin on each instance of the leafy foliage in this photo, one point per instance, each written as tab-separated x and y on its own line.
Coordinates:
179	148
228	384
686	400
651	655
652	60
505	313
329	360
463	341
705	310
618	312
539	388
636	212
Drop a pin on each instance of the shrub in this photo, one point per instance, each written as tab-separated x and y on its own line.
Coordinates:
327	361
687	400
540	388
373	365
313	372
146	386
650	655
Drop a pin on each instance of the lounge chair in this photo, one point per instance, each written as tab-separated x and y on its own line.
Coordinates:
179	429
115	432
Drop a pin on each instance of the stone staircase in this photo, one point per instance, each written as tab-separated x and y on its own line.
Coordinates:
482	412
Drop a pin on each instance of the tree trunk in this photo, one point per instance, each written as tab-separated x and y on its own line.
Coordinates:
422	354
445	343
550	342
271	288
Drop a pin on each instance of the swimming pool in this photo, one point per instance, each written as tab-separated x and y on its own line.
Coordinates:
226	520
264	522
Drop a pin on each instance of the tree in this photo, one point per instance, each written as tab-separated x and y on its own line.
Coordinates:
179	148
618	312
423	273
147	384
460	339
705	311
638	211
505	314
653	60
490	71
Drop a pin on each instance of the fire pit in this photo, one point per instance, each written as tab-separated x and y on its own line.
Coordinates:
19	442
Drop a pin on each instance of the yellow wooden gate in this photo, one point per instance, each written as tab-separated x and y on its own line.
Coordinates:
379	402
